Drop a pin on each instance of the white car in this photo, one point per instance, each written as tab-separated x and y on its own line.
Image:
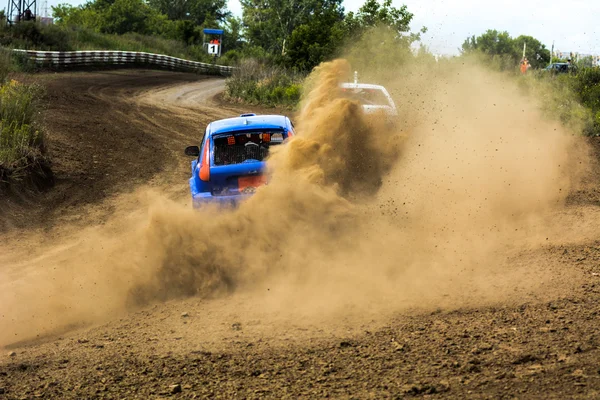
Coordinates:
373	98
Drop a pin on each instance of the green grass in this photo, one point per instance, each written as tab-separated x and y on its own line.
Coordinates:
20	141
255	83
572	99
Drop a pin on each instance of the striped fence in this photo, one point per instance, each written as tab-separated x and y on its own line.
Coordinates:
78	59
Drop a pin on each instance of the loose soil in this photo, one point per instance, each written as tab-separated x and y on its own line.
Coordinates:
110	132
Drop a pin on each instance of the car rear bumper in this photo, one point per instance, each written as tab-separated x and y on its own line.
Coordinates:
203	199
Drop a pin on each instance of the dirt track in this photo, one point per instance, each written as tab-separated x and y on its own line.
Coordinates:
544	344
102	141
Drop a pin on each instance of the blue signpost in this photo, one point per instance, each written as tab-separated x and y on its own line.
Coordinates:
215	41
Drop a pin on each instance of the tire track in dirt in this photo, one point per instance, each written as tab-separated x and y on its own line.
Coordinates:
103	142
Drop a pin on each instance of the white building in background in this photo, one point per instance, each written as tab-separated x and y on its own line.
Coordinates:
46	20
575	56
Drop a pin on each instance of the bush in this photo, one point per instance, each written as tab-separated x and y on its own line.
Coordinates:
573	99
21	143
5	64
254	82
55	38
30	35
585	84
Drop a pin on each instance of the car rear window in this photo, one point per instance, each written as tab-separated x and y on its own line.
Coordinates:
365	96
240	147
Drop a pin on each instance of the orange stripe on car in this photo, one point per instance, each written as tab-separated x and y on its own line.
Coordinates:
205	165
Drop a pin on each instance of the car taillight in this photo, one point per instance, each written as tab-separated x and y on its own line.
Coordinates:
205	165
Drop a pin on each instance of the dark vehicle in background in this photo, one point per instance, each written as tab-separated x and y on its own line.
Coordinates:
561	68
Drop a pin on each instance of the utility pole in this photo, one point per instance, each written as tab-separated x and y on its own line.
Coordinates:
21	10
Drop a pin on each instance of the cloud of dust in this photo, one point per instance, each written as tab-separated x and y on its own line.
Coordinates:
358	214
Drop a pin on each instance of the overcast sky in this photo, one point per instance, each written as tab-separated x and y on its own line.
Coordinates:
573	25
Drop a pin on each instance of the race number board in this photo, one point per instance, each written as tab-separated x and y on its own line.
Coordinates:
213	49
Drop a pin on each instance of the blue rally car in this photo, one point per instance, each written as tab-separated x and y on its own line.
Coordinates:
230	162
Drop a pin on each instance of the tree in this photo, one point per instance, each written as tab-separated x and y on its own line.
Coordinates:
197	11
270	23
317	40
232	39
373	14
585	62
379	38
492	42
185	30
112	16
502	45
303	33
537	54
125	16
86	15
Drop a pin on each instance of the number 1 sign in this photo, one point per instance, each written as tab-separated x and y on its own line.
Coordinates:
213	49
